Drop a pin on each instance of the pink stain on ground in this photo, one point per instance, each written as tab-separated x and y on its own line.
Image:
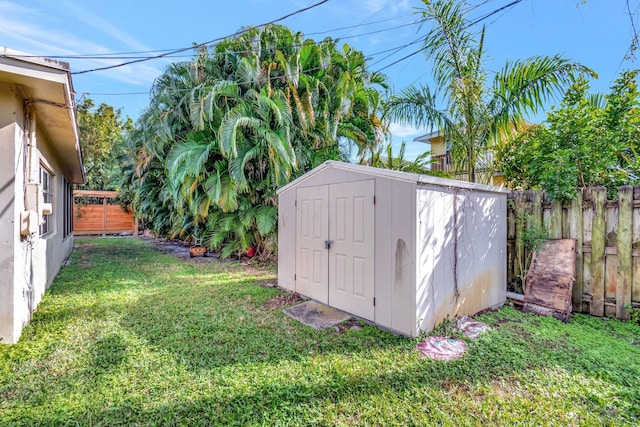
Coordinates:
442	348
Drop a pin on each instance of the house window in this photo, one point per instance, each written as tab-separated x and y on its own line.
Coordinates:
68	208
47	192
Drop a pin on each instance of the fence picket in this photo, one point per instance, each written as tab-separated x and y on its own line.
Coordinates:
625	254
574	231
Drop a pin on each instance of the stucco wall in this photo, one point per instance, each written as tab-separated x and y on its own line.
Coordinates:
27	265
10	114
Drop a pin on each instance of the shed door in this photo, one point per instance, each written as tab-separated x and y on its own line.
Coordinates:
335	245
351	255
312	231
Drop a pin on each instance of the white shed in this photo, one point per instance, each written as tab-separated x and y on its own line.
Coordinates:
399	249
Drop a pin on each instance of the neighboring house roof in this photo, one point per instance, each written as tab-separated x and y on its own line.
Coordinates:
426	138
394	175
46	85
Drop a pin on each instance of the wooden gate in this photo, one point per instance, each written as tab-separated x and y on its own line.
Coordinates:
97	212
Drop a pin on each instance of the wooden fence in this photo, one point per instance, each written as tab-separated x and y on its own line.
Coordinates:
96	212
607	233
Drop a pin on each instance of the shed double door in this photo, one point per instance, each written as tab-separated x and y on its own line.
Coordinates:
335	245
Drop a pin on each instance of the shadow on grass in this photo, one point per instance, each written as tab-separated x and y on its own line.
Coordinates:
107	354
222	324
421	387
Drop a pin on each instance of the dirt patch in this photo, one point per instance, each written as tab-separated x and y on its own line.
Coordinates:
282	301
348	325
180	249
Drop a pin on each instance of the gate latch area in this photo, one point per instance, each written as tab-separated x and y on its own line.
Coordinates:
327	244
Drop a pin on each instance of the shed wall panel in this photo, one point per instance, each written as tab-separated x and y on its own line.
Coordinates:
461	252
402	257
287	240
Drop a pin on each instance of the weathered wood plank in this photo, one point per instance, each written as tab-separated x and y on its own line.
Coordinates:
611	226
635	243
610	284
625	251
635	291
587	284
574	231
550	278
555	220
519	258
598	238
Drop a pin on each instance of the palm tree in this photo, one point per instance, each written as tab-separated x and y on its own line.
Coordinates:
475	111
226	129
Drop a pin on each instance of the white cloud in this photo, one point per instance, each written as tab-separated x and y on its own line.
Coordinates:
29	30
97	23
404	131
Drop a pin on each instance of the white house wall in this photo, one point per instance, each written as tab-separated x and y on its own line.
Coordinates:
10	115
27	266
474	262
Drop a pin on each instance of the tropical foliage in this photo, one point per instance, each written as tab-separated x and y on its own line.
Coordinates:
385	158
589	140
102	139
476	109
226	129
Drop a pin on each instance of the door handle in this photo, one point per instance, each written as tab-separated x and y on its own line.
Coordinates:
327	244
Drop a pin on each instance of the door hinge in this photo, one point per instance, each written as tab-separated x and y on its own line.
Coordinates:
294	277
374	200
295	203
374	301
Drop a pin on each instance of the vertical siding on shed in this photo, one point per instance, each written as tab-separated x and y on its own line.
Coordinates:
395	254
287	239
477	270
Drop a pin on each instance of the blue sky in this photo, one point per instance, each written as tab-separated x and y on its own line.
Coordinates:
596	33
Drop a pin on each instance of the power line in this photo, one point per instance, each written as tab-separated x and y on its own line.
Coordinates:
197	46
334	39
633	45
143	53
477	21
393	50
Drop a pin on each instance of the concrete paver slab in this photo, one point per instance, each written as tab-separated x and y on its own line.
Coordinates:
316	315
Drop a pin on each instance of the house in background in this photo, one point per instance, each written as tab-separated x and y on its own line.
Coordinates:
442	161
40	160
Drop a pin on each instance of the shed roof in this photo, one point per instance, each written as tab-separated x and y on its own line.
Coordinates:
394	175
46	85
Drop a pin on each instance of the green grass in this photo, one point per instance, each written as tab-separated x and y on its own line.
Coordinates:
130	336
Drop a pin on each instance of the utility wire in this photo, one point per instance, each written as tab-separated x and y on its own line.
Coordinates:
633	45
477	21
393	50
142	54
197	46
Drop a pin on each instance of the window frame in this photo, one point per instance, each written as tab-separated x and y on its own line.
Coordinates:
46	179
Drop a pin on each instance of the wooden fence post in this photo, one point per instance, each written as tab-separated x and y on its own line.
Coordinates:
635	291
598	242
625	255
575	232
519	256
555	220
